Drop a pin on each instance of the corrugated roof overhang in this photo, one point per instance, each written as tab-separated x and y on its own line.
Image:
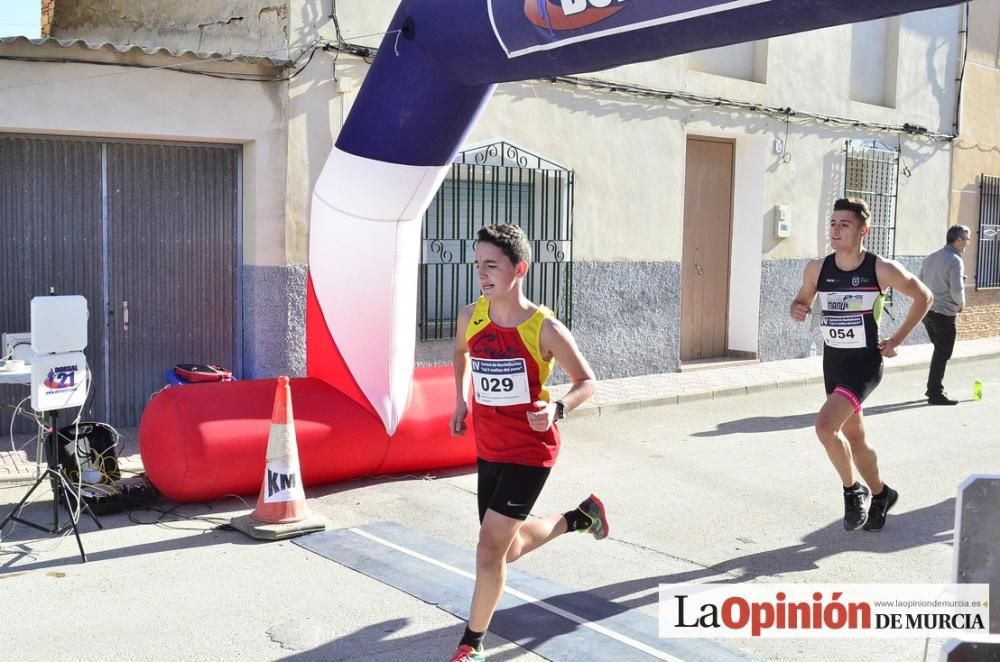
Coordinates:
77	50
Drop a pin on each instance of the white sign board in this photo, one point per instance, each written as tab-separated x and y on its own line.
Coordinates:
58	381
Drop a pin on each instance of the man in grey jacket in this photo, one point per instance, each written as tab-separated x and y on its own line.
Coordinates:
944	273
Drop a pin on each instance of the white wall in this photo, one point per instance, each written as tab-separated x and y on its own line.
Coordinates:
746	61
749	223
870	76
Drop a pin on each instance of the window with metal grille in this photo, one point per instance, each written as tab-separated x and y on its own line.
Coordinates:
988	243
488	184
871	172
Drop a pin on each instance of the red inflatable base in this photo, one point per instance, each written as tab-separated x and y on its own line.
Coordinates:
203	441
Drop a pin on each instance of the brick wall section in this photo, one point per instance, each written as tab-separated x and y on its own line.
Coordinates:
981	318
48	9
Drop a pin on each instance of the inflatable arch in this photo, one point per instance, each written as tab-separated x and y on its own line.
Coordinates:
364	409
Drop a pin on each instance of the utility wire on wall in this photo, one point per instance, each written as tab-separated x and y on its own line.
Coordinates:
785	114
639	91
366	53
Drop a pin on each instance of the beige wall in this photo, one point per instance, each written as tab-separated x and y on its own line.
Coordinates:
977	150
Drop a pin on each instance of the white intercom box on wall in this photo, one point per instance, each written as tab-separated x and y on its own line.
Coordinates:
782	222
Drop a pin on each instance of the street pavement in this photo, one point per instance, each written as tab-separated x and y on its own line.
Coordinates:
711	476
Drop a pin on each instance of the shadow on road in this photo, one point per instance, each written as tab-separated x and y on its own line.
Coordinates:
923	526
796	422
198	517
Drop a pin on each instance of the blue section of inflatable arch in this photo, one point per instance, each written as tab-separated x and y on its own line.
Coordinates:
432	78
410	110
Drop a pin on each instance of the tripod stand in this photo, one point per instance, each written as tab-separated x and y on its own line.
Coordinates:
59	492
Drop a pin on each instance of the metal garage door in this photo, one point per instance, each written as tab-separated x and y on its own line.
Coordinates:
148	233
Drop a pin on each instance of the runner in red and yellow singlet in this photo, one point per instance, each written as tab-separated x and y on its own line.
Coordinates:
505	346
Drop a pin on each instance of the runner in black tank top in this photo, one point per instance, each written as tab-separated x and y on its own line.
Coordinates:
851	304
850	283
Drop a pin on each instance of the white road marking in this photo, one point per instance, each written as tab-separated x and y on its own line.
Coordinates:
628	641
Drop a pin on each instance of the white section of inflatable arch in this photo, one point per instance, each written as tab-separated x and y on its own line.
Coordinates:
364	253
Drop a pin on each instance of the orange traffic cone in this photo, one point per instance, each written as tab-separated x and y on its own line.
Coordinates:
282	498
281	510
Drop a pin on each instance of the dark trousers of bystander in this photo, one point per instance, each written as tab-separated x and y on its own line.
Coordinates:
941	329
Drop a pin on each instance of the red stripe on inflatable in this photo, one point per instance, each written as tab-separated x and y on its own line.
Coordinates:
323	360
202	441
423	439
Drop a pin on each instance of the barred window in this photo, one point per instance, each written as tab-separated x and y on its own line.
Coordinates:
871	172
495	183
988	242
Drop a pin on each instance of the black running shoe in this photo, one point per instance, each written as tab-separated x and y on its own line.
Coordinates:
855	508
880	508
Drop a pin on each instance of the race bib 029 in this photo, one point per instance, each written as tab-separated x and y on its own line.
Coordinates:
500	382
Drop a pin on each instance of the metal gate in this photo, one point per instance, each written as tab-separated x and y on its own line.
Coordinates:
988	244
496	183
174	274
148	233
50	224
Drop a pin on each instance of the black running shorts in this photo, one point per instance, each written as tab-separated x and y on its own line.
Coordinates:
509	489
853	374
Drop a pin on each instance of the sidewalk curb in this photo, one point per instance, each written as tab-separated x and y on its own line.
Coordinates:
25	471
588	409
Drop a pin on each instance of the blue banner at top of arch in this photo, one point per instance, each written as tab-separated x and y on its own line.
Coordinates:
539	25
531	26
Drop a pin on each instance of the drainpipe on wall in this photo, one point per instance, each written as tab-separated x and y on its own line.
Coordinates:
963	35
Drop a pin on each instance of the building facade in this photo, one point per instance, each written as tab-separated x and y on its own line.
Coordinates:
673	203
975	195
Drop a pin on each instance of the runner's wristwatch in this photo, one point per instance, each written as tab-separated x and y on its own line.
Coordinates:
560	409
